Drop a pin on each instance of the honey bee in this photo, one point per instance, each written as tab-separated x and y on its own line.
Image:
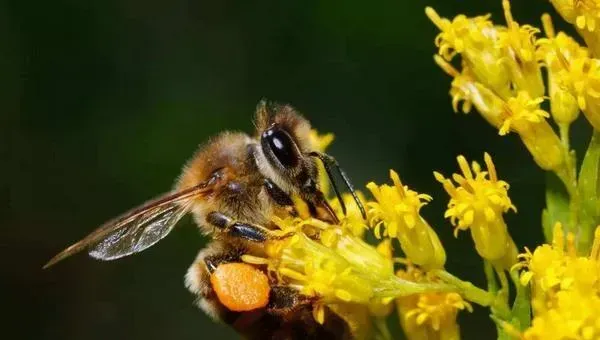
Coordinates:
233	186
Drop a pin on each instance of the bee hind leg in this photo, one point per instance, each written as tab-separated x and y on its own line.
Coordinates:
197	278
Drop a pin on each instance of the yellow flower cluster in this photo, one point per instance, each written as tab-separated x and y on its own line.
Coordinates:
565	287
347	275
501	76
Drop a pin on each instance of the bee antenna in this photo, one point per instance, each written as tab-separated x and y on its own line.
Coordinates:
330	163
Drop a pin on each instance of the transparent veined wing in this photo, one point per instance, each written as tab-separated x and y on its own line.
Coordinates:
137	229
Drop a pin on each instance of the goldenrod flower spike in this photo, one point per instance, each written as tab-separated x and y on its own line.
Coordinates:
478	202
395	214
429	315
501	77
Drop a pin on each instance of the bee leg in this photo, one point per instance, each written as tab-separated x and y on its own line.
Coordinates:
243	230
197	278
252	324
213	261
284	299
279	196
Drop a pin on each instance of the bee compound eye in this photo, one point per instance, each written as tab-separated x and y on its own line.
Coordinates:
282	146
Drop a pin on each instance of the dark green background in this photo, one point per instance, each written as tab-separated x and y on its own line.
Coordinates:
101	102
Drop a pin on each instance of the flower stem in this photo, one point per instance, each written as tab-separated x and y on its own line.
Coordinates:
467	289
490	277
398	287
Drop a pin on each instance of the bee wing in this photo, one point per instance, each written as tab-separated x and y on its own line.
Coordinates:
140	233
137	229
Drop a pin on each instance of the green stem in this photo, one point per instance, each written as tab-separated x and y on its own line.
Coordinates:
568	175
467	289
504	290
397	287
382	329
490	277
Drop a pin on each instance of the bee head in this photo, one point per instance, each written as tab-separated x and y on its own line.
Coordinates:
284	148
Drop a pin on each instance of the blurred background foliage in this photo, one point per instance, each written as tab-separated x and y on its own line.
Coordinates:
101	102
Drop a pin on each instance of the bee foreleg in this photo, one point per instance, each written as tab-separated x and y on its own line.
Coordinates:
279	196
243	230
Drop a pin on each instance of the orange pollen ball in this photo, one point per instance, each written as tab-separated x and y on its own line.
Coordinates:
240	287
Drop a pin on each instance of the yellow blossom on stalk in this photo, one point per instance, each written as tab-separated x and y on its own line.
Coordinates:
476	40
565	286
518	43
524	110
429	316
525	117
396	212
557	52
470	92
478	203
583	78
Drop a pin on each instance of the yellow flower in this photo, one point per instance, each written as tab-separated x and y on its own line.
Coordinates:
470	92
557	267
353	219
476	39
583	13
396	211
583	79
523	110
429	315
566	288
477	203
566	8
518	43
573	316
320	142
588	14
557	51
525	117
